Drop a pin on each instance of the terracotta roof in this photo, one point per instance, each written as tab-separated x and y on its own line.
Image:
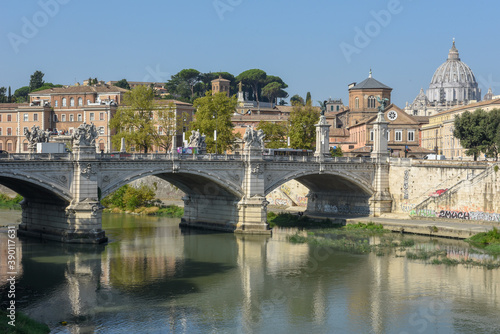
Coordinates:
165	102
80	89
12	105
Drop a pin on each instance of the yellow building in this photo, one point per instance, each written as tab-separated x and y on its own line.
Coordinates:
438	134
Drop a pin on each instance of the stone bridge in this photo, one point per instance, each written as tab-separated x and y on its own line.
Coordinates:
62	192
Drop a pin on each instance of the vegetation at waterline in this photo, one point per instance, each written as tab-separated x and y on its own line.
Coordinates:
362	238
292	220
23	323
489	241
139	200
7	202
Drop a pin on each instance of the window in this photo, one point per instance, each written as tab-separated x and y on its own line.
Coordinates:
0	132
55	118
101	146
71	118
411	135
1	146
25	146
351	147
79	117
25	117
9	131
9	146
88	102
63	118
338	108
0	117
35	117
71	130
80	102
371	101
64	102
9	118
398	135
91	116
331	108
56	103
101	116
388	135
372	135
101	130
356	103
72	102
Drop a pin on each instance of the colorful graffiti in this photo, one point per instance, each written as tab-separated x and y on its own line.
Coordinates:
405	184
438	192
281	201
407	207
457	214
285	189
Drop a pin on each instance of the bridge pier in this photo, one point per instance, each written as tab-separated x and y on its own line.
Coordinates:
210	212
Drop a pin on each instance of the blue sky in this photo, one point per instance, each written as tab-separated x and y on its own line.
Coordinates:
317	46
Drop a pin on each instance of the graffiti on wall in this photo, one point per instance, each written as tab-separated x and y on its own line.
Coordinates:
343	209
407	207
285	189
281	201
457	214
405	183
438	192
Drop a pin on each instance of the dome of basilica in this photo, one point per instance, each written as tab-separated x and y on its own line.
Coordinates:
453	81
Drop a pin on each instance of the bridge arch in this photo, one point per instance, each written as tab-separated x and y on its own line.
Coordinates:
191	182
323	181
36	188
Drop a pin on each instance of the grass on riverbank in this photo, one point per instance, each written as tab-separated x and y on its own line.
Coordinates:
291	220
24	325
11	203
488	241
170	211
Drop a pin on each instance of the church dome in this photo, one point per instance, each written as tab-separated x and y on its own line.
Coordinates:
453	81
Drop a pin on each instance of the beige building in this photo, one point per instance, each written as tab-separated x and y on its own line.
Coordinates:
437	136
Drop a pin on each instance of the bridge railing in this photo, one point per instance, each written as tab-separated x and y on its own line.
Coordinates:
168	156
36	156
316	159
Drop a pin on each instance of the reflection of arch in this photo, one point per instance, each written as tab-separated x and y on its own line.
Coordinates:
328	180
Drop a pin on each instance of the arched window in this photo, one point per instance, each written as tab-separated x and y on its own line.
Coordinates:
371	101
72	102
80	102
56	103
64	102
356	103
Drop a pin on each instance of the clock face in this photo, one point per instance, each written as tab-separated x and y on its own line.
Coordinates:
392	115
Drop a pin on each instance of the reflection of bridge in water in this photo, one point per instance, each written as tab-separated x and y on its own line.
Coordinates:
226	192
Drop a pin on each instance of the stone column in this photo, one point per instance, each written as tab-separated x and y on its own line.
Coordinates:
252	208
322	137
84	214
381	201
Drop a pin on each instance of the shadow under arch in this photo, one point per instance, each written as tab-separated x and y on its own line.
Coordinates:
332	192
36	190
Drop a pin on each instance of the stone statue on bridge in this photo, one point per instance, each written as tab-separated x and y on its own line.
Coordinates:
253	139
85	135
197	140
36	135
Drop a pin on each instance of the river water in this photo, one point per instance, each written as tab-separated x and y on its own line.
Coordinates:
153	277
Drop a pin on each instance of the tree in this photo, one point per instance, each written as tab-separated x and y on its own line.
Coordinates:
46	85
470	129
3	97
134	120
272	90
123	83
336	151
302	131
167	126
296	99
36	80
182	82
21	94
308	99
275	134
213	112
253	78
9	97
493	133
